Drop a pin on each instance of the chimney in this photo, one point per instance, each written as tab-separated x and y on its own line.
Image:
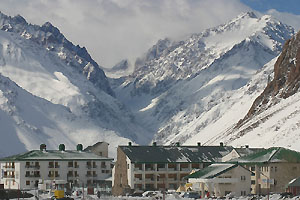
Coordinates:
177	144
129	144
221	144
247	146
43	147
79	147
199	144
61	147
154	144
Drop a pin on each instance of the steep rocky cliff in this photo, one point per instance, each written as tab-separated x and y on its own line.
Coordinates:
286	80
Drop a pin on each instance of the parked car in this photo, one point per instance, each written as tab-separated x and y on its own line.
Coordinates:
192	195
137	194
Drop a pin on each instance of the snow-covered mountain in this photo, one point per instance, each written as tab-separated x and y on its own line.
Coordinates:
184	92
49	70
273	118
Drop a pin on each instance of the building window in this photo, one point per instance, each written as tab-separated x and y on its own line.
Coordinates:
27	182
252	168
243	178
243	193
56	165
70	164
252	182
27	173
275	169
51	165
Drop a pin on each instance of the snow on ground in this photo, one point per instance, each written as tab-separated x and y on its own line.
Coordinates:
167	197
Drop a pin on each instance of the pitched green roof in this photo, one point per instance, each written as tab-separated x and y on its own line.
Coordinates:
273	155
175	154
247	151
212	171
54	155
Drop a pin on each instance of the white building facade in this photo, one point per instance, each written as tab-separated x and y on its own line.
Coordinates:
25	171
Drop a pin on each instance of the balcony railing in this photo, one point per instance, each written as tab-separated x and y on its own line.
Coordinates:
103	166
53	175
33	175
137	179
33	166
172	169
172	179
185	169
149	179
138	169
161	169
89	166
95	166
9	166
9	176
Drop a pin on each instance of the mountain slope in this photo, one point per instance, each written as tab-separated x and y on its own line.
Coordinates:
192	84
51	75
184	59
274	115
51	39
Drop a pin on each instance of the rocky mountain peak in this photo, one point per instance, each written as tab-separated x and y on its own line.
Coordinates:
169	62
53	40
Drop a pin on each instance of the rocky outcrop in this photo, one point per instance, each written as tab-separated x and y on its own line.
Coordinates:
286	80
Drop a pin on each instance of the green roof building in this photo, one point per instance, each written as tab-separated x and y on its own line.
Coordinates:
221	179
272	168
26	170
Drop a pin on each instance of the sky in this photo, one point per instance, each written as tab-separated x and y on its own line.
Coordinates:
288	6
113	30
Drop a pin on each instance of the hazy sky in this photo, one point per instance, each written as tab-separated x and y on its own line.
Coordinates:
113	30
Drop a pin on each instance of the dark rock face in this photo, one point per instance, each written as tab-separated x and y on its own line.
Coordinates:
286	80
53	40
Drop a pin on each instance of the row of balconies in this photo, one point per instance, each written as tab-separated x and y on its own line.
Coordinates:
164	169
77	166
152	179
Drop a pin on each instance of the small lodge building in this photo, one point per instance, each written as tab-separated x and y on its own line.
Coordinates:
221	179
272	169
140	168
77	167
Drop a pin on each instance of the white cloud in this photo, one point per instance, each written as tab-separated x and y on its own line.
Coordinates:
112	30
